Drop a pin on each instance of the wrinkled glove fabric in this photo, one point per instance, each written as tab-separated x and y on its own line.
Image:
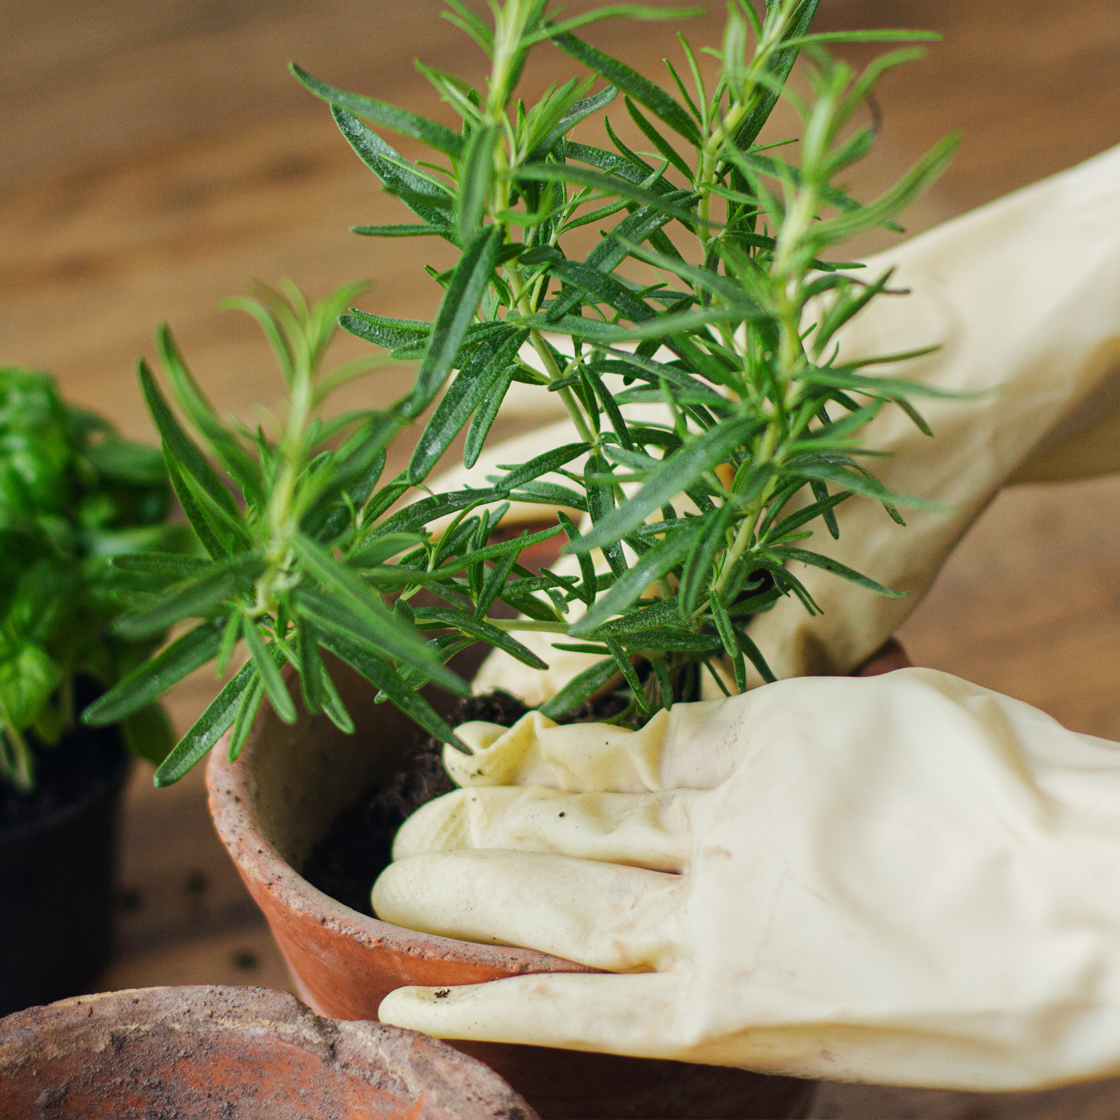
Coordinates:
906	879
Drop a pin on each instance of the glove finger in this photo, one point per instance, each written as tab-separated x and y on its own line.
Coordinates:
578	757
693	746
650	830
598	914
612	1014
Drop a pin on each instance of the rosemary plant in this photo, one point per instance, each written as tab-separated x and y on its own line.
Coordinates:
697	505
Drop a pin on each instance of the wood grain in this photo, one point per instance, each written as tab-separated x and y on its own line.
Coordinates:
156	156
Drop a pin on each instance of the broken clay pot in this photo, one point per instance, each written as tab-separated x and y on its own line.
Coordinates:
242	1053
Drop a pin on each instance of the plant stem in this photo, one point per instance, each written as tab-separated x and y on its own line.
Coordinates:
528	625
21	769
552	371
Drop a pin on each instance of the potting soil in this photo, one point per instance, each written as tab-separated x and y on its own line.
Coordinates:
359	845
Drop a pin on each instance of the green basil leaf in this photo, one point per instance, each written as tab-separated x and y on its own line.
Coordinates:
125	460
28	678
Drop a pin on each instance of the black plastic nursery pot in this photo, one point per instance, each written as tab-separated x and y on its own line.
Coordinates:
57	871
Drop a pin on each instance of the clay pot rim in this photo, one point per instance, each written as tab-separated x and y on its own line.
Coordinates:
231	796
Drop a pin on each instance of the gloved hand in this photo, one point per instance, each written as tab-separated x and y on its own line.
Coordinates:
905	878
1023	295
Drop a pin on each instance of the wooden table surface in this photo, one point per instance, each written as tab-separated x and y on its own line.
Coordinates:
157	156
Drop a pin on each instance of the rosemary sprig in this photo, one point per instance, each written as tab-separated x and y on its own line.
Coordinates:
698	511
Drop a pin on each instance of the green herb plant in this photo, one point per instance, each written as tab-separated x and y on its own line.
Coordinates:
714	294
74	494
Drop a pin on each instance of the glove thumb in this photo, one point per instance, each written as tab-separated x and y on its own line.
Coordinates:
619	1014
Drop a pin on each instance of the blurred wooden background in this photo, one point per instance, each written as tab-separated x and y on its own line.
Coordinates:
155	156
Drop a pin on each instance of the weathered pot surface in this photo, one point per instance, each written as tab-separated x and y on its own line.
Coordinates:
242	1053
282	795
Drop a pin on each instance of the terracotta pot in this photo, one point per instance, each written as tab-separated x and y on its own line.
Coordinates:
281	797
244	1053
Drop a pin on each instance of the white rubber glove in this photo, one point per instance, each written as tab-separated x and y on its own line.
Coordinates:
1023	294
906	879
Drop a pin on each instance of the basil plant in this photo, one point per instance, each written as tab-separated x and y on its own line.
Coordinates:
74	494
714	293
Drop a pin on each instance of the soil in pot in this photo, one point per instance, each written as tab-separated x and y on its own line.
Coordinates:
57	862
358	847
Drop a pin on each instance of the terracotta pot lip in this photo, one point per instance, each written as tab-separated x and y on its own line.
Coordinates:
244	1007
231	797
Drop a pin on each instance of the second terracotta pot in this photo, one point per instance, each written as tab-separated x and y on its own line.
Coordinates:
239	1053
282	795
